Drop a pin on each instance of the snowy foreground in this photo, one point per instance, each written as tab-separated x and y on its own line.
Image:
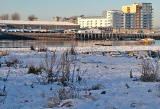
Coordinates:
105	83
96	48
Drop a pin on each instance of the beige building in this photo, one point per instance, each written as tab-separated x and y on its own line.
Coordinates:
137	16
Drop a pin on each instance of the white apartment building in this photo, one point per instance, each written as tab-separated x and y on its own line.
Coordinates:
112	18
92	22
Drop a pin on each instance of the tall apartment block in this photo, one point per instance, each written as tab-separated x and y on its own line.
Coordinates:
147	15
137	16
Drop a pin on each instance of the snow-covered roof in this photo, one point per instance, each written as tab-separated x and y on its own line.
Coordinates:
93	17
21	22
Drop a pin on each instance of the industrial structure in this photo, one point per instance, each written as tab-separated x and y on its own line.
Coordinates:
38	24
64	19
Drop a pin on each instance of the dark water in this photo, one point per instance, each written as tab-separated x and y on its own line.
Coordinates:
40	43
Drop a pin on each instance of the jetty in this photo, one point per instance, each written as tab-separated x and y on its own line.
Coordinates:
36	36
114	36
76	36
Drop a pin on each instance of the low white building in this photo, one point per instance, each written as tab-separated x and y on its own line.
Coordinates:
112	18
92	22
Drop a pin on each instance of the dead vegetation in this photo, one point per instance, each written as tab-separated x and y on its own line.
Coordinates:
32	48
3	94
95	87
13	62
58	68
149	71
42	49
65	93
62	94
34	70
4	53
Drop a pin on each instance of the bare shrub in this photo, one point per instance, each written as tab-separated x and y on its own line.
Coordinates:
3	91
72	53
67	93
127	86
95	87
13	62
64	68
149	71
32	48
15	16
58	69
3	94
49	69
66	73
42	49
52	102
7	75
131	74
62	94
4	17
32	17
4	53
73	50
34	70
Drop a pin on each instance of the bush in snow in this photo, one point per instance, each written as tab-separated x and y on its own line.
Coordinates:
49	73
4	53
73	50
3	94
58	69
12	63
34	70
149	71
42	49
67	93
32	48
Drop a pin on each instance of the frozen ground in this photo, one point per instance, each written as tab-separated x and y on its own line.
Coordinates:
116	90
96	48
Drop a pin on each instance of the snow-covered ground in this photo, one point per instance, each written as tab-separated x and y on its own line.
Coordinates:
95	48
105	84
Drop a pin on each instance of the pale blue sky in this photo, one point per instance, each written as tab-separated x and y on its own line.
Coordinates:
46	9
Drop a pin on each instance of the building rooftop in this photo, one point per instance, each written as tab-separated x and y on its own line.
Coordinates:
113	10
93	17
22	22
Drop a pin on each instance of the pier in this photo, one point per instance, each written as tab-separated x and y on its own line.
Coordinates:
76	36
36	36
114	36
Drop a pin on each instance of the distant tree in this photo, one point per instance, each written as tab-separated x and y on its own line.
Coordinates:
4	17
32	17
81	15
15	16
